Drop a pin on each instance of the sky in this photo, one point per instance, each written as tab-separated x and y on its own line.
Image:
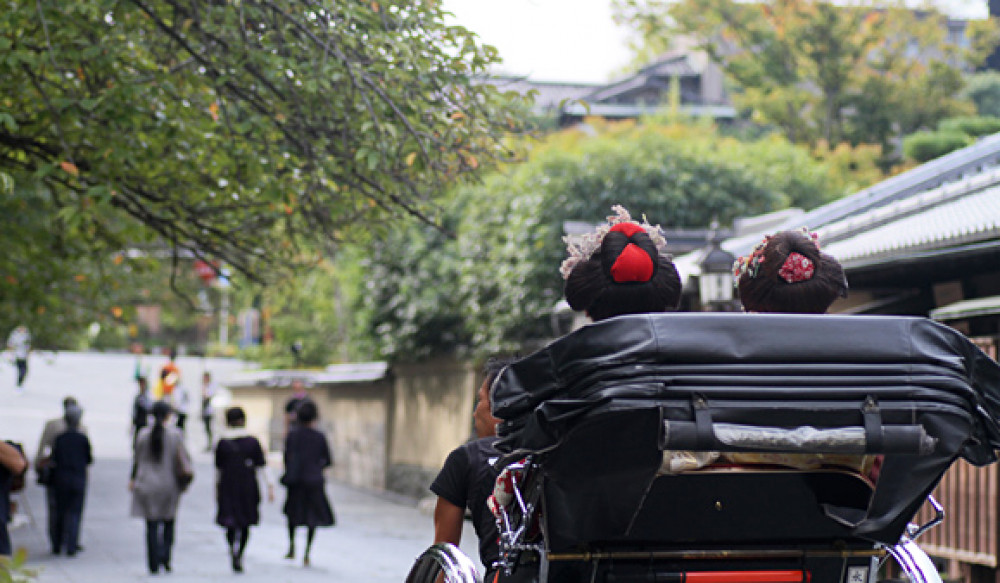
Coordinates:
576	40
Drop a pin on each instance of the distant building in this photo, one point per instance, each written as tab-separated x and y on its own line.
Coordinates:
645	92
700	81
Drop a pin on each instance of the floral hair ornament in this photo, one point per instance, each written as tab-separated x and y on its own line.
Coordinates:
811	234
797	267
751	263
582	247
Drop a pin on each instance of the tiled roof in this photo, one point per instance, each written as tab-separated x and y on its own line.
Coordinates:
967	162
987	306
952	200
334	374
677	66
549	95
949	216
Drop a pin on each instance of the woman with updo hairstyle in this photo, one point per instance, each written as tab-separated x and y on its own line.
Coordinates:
787	273
621	268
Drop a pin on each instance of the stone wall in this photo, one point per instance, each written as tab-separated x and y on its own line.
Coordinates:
431	415
357	416
392	433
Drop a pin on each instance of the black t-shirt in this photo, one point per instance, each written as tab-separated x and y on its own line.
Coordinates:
466	480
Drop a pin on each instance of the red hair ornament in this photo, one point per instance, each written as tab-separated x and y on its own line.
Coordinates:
796	268
633	264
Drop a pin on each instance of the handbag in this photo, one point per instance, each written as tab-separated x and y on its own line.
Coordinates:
183	470
44	472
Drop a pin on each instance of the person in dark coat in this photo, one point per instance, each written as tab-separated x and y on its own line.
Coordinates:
306	455
142	407
238	459
71	454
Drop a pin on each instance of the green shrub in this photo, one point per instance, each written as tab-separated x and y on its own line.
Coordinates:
983	89
975	126
924	146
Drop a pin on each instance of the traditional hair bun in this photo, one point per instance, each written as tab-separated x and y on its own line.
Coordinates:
627	271
786	272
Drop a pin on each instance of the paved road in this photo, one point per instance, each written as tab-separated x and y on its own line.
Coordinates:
376	539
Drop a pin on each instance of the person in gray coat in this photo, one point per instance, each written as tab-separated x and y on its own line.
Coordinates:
154	486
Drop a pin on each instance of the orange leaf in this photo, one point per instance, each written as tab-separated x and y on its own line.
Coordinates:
410	158
41	309
214	110
375	6
80	277
70	168
116	311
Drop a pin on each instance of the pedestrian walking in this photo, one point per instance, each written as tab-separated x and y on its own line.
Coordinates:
181	402
299	396
71	454
142	369
12	464
19	342
239	458
142	407
170	373
160	457
208	392
52	429
307	454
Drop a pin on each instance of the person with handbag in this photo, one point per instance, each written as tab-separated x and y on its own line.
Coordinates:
71	454
161	470
52	429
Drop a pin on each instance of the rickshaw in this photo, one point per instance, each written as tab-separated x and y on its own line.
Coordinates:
589	419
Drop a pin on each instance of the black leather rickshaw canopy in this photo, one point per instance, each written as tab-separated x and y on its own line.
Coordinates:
610	390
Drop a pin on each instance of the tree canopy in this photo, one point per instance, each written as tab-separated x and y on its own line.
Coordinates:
256	133
860	73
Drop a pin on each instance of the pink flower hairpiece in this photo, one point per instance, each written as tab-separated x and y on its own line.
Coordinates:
582	247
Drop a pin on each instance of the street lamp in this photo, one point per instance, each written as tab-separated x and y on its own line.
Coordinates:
715	284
